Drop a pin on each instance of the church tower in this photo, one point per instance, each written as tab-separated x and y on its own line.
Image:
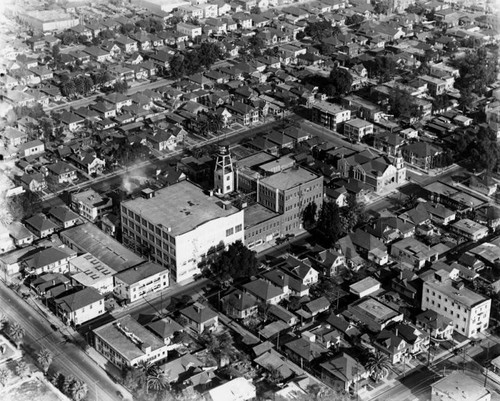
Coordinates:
399	163
223	173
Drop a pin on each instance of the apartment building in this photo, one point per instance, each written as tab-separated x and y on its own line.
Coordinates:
329	115
134	283
177	225
90	204
446	295
126	343
190	30
357	128
80	306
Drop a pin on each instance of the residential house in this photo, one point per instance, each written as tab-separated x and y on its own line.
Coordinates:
373	248
80	307
439	326
343	372
304	350
413	252
98	54
40	225
264	291
20	234
61	172
126	44
63	216
239	304
357	128
34	182
49	260
14	137
88	162
200	318
243	113
71	120
90	204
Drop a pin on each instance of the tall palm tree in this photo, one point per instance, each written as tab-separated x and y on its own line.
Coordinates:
22	369
156	380
216	123
78	390
44	358
378	365
16	333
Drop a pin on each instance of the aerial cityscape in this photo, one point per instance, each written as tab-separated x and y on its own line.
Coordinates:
235	200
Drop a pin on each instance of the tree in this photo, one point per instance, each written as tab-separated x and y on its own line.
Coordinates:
477	71
355	19
274	374
66	385
309	215
22	369
24	205
78	390
300	35
16	333
4	377
329	222
56	51
381	7
351	214
155	379
44	358
320	30
255	10
208	53
257	44
341	79
378	365
236	262
402	105
57	380
215	123
177	66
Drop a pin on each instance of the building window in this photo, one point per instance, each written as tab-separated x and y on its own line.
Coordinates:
238	228
229	232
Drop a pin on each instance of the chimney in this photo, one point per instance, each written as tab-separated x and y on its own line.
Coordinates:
146	348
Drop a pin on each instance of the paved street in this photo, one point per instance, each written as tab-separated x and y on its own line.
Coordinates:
68	357
90	99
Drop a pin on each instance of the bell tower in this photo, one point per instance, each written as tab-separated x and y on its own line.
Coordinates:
224	172
399	163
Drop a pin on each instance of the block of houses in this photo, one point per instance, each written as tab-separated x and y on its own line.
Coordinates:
80	307
200	318
40	225
138	281
127	343
239	304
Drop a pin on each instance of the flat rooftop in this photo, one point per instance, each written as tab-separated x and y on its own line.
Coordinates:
181	207
364	285
458	386
48	15
463	296
329	107
256	214
126	336
376	309
289	178
454	193
90	270
358	123
89	238
255	160
469	226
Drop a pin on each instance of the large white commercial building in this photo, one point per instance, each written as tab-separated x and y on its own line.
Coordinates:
446	295
177	225
161	5
48	20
